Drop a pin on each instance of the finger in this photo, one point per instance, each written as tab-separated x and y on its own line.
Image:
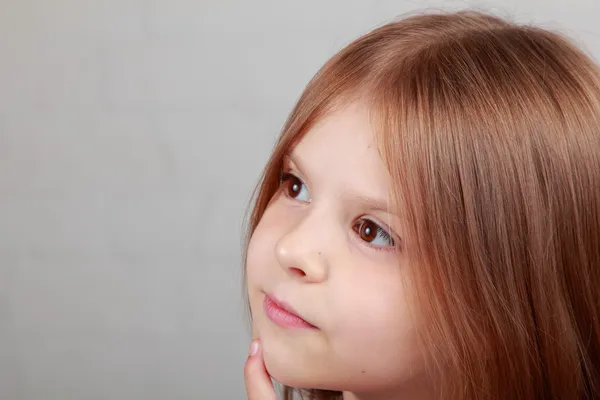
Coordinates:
258	381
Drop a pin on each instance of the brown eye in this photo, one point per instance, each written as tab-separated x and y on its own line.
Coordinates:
294	188
372	233
366	229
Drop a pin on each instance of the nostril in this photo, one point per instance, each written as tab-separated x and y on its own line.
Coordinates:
297	272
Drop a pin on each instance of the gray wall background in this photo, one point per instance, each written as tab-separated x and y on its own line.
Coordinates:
131	135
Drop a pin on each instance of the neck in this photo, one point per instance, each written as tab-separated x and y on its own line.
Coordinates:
421	392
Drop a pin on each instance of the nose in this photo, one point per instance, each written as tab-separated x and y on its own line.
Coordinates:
300	252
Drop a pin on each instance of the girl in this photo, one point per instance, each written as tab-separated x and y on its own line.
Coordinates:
428	225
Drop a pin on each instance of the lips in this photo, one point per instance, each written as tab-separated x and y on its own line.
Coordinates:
284	314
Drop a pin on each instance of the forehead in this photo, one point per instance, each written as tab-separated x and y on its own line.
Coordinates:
343	145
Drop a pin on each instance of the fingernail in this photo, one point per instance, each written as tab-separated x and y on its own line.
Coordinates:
254	347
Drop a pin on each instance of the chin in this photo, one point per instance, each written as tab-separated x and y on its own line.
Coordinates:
299	371
288	366
293	367
283	364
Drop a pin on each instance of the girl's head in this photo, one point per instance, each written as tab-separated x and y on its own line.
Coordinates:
432	208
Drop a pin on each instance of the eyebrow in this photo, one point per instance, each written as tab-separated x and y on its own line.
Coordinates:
295	161
372	203
366	202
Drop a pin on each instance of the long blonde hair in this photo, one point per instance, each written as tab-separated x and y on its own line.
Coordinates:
491	134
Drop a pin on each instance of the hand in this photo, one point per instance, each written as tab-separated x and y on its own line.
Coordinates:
258	381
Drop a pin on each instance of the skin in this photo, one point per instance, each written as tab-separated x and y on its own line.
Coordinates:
312	249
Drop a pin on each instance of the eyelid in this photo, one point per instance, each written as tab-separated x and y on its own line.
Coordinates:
377	222
287	173
290	166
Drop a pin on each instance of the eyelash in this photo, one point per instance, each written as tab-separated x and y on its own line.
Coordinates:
286	176
380	231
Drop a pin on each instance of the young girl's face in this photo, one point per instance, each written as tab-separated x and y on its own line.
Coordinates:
324	249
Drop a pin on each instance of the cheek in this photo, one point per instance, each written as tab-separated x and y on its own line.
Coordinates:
261	263
257	259
376	328
261	251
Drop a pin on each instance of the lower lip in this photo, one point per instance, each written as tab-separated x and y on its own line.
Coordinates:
282	317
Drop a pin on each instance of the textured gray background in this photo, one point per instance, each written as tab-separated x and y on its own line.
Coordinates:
131	135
